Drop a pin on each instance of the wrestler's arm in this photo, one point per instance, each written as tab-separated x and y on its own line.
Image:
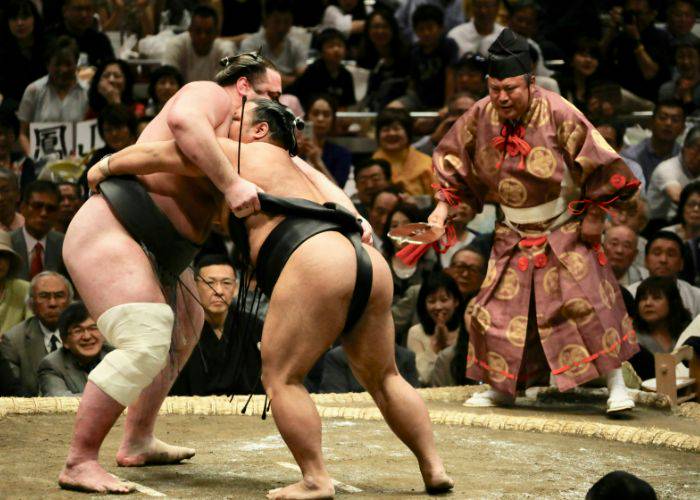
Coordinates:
197	111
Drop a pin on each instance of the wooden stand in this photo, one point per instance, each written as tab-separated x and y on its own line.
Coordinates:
677	391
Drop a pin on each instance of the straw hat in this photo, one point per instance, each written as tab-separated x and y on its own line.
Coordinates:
6	248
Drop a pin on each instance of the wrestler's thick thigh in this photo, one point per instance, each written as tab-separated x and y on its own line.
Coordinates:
308	307
107	266
370	344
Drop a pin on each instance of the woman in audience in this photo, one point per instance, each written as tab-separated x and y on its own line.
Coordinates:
404	276
659	320
575	82
440	312
348	17
323	155
688	215
409	167
21	49
113	83
384	54
13	291
164	83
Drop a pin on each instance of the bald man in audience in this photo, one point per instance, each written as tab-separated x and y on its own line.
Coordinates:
621	248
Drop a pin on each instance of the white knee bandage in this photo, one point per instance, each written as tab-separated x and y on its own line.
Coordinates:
140	334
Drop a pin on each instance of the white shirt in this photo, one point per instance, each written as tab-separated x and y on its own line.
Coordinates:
469	40
633	274
291	58
667	173
334	17
31	243
47	337
41	103
181	54
690	295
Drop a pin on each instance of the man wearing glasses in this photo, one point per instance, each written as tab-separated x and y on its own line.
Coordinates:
64	371
39	246
26	344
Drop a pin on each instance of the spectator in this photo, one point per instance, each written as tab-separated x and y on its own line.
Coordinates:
636	51
26	344
659	319
664	258
23	168
57	97
680	19
635	215
440	310
333	160
451	363
13	291
688	226
64	372
10	219
613	135
458	104
685	85
39	246
327	75
68	204
566	18
286	53
621	484
470	75
348	17
384	54
409	167
383	203
137	17
196	54
164	82
113	83
524	20
604	101
22	52
338	377
453	9
468	269
211	370
671	176
78	23
478	34
667	123
371	176
403	275
581	70
621	249
546	82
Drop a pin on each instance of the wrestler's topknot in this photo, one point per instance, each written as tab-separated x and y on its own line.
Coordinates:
246	64
281	122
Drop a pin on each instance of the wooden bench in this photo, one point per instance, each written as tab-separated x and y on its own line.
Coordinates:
677	390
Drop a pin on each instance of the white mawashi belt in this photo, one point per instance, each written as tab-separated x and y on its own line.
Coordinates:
536	214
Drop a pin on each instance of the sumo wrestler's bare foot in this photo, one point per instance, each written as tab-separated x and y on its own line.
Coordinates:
152	452
89	476
436	479
307	488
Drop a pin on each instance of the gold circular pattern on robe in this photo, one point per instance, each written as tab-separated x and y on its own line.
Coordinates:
628	329
600	141
490	274
509	286
482	318
578	311
541	162
570	227
470	355
575	263
564	130
512	192
544	331
607	293
492	114
611	338
466	133
517	330
573	353
538	113
551	282
486	159
498	365
571	135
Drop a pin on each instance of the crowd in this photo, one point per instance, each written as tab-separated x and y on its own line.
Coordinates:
632	67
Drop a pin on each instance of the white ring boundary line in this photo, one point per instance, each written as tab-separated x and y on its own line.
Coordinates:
141	488
341	486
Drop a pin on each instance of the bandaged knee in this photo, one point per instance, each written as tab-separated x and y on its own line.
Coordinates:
140	334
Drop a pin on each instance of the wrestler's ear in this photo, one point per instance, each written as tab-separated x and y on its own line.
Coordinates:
260	130
243	86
